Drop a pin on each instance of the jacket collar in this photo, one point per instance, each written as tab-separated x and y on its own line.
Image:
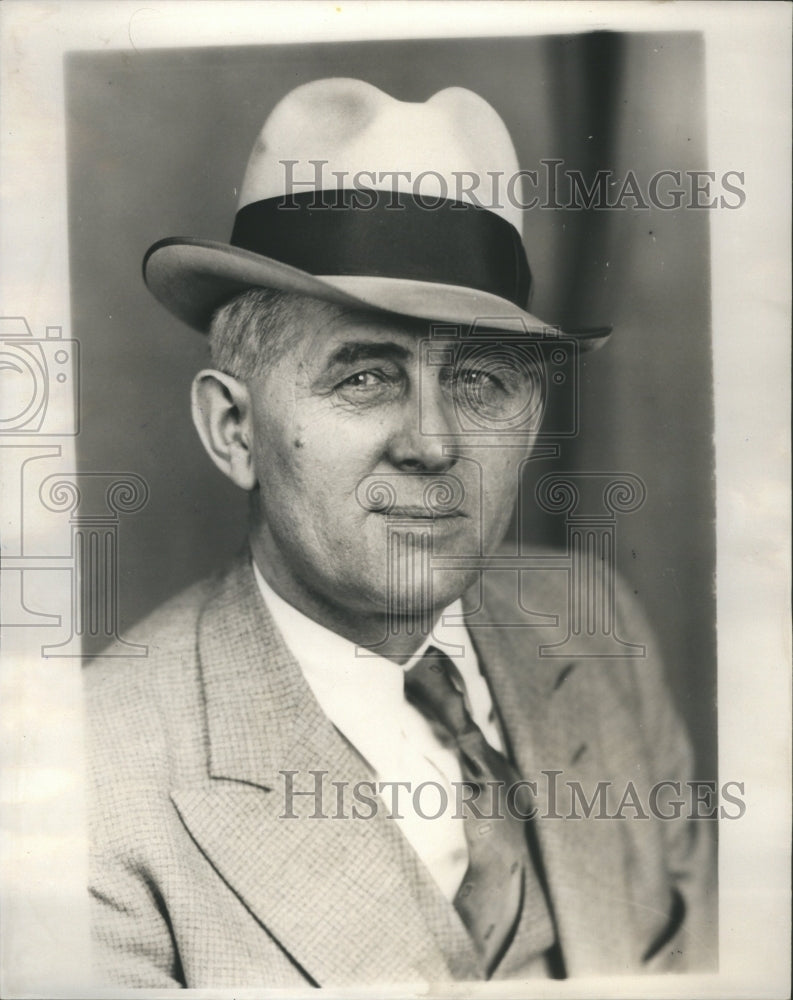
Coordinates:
261	714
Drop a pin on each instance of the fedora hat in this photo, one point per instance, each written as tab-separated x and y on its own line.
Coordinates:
356	198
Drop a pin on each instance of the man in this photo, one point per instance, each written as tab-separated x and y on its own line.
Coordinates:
262	805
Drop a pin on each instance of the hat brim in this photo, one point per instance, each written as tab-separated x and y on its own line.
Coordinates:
192	278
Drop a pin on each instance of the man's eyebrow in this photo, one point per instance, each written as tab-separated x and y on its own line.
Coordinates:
366	350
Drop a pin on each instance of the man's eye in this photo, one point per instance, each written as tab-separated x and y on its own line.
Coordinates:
363	380
479	386
495	389
368	386
477	378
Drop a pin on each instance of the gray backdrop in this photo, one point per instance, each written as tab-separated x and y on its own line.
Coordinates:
157	143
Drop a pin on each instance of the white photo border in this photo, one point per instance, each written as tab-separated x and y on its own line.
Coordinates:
748	77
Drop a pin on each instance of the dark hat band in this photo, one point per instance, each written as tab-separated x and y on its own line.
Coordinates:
388	234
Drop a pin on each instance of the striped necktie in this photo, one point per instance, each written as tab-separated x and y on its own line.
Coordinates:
500	873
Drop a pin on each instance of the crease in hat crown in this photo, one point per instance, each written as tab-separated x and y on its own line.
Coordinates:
465	264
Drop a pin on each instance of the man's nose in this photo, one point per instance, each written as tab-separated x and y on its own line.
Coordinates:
424	441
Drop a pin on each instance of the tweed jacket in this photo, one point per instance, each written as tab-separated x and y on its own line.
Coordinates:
199	879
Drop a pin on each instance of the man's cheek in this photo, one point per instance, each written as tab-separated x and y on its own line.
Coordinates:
500	482
500	496
288	467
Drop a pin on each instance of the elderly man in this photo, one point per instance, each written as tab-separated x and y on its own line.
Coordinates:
345	761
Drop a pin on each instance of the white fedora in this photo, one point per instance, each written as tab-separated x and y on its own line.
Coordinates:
353	197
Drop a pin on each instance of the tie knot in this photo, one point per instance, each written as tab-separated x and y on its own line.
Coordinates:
434	685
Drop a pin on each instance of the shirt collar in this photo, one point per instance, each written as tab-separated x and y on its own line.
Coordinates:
328	660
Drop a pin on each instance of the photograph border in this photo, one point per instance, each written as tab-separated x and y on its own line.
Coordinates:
43	948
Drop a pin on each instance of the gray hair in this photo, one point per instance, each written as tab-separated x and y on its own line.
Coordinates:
250	332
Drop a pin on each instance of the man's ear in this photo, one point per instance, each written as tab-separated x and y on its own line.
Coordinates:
222	415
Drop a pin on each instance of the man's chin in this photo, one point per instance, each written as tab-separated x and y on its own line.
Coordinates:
421	595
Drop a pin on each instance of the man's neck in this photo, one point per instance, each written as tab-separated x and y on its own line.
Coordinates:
395	639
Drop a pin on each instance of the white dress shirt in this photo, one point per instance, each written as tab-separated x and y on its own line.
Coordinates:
363	696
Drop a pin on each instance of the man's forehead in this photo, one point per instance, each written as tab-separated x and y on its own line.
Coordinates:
336	335
357	324
365	347
346	335
321	336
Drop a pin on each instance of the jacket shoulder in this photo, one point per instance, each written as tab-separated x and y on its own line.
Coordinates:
167	633
143	714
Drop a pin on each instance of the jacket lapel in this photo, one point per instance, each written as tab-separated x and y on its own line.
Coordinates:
303	878
545	707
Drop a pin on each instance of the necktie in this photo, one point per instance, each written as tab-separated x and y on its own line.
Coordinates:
500	872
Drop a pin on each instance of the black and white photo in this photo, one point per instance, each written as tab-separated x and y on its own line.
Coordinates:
372	492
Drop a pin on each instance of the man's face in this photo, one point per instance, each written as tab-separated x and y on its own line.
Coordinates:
363	450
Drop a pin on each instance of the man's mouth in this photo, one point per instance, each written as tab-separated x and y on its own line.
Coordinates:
413	498
417	512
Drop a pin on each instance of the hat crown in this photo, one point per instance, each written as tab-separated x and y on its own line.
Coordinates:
395	237
345	133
